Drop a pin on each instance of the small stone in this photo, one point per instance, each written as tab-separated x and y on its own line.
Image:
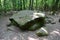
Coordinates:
42	32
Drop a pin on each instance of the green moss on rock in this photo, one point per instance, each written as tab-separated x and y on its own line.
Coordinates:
26	20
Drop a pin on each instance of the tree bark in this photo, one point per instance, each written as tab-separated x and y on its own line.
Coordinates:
36	4
20	4
23	4
30	4
55	7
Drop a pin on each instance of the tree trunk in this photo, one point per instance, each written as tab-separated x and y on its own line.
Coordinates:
14	4
20	4
45	5
0	6
23	4
55	6
30	5
36	4
5	6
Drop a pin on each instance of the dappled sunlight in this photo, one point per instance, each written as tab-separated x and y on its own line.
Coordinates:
31	38
15	38
37	15
55	32
45	39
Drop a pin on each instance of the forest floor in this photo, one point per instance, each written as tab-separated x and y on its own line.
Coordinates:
14	33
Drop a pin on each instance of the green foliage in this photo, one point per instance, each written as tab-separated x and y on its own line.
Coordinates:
27	4
7	5
59	4
0	5
50	3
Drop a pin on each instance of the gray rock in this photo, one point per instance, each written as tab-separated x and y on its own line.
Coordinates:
42	32
25	19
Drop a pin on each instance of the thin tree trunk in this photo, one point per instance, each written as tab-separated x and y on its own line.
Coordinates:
36	4
5	6
23	4
45	5
20	4
14	4
30	4
0	6
55	6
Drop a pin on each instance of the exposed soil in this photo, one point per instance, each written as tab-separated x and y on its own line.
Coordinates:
14	33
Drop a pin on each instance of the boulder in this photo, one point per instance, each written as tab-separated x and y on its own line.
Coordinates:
26	19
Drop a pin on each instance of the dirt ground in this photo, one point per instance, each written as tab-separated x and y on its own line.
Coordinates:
14	33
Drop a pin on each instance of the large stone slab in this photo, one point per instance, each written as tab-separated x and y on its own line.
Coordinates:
26	19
